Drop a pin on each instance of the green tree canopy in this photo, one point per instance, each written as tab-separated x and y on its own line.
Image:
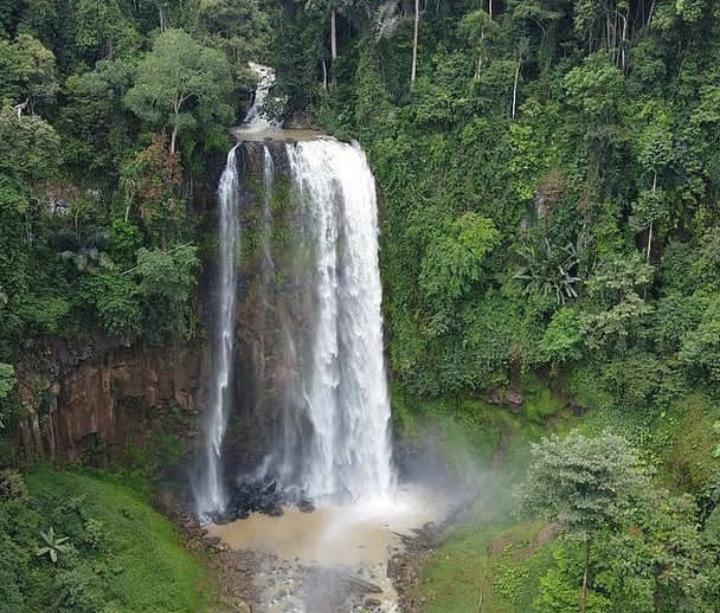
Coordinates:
587	485
27	72
181	84
29	146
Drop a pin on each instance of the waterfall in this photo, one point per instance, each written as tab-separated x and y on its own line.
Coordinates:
345	390
268	176
256	118
210	493
266	261
314	327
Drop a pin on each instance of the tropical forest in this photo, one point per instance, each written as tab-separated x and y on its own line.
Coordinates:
364	306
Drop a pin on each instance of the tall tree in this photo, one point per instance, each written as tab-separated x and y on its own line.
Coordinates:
27	72
477	27
93	121
654	151
584	484
180	81
330	10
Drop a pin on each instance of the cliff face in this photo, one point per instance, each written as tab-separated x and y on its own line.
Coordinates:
102	401
98	398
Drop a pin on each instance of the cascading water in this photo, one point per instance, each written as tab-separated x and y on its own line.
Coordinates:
210	491
310	424
256	118
345	391
314	309
266	261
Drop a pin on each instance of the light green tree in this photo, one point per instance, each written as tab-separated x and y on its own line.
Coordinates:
453	261
7	383
180	82
27	72
479	29
29	146
654	150
584	484
562	340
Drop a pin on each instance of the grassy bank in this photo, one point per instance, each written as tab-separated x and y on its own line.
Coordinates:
493	562
120	554
492	567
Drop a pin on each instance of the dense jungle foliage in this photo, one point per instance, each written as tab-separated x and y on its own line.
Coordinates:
549	177
108	112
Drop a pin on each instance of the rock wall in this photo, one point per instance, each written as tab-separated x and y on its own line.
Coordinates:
103	400
275	299
95	396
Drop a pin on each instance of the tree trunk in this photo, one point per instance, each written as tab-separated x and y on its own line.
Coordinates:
177	104
413	72
19	108
325	74
161	15
583	598
650	13
173	138
490	8
478	65
515	86
333	34
650	229
623	56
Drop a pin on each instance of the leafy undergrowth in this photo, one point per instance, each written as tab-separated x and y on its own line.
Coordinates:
494	563
486	443
122	555
678	440
487	567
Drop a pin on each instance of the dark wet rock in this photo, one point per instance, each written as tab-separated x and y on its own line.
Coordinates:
261	496
299	121
305	505
394	566
510	398
514	398
372	602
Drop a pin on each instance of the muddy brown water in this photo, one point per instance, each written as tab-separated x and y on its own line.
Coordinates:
351	535
354	540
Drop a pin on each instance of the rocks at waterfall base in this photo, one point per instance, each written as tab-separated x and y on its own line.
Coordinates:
261	496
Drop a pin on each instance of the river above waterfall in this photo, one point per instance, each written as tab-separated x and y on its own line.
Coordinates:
245	134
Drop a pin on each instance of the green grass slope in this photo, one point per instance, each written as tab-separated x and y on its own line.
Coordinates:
125	556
